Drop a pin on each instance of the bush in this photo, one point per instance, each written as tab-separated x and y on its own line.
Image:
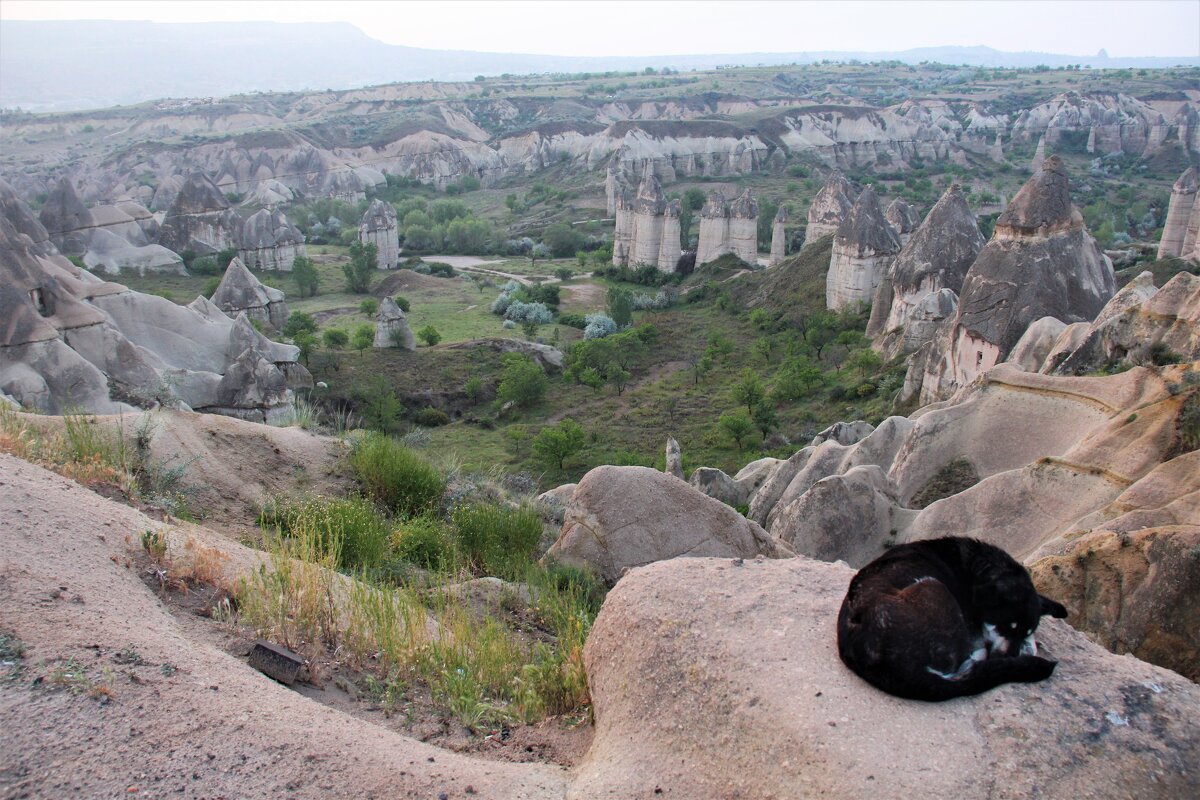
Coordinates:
496	540
299	322
369	306
441	269
335	338
205	266
396	477
427	542
522	382
349	529
572	320
431	417
537	313
598	326
557	443
429	335
402	302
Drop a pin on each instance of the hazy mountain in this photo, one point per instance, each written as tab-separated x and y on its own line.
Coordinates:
61	66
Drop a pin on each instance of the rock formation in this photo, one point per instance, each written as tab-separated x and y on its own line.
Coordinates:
1039	155
391	327
1114	122
1183	219
241	292
903	218
269	241
621	195
714	229
108	238
831	205
674	459
743	228
1041	262
863	251
648	210
779	236
924	282
722	651
669	249
622	517
70	340
379	227
199	219
996	151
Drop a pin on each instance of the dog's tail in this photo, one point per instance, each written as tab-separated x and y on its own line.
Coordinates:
983	676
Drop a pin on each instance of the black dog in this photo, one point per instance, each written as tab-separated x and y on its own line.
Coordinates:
943	618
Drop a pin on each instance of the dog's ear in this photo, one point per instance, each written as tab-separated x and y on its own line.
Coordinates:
1052	608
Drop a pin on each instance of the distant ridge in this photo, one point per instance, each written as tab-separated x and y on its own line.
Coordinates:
76	65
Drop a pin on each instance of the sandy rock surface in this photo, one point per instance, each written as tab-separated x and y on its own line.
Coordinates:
212	727
715	680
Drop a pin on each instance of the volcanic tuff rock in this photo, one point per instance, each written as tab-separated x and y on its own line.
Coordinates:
863	251
622	517
831	205
1039	155
648	210
1181	231
903	218
239	291
714	228
779	236
933	262
1041	262
379	227
1115	123
391	327
71	340
270	241
721	652
200	219
743	227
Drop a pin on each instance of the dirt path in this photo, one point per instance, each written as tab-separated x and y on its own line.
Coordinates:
115	698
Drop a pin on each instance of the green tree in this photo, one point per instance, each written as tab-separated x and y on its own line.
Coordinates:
798	378
719	346
364	337
764	418
748	391
369	306
297	322
335	338
522	382
307	342
306	276
364	260
590	376
620	306
474	389
382	409
563	240
736	425
516	436
764	346
558	443
820	329
865	361
618	376
429	335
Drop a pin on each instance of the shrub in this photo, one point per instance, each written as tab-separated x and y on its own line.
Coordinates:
429	335
522	382
335	338
537	313
496	540
427	542
396	477
474	388
403	303
431	417
598	326
299	322
558	443
441	269
205	266
350	529
369	306
572	320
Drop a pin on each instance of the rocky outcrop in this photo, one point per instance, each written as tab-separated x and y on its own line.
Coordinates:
863	251
996	151
392	328
623	517
269	241
714	229
831	205
903	218
649	208
647	225
239	291
669	250
743	227
674	459
621	197
1041	262
1141	325
1114	123
926	277
69	340
722	652
1039	155
379	227
1183	219
199	219
66	219
779	236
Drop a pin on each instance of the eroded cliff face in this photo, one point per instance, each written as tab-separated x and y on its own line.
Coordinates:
1113	123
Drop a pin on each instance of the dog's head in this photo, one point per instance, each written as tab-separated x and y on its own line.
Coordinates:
1011	609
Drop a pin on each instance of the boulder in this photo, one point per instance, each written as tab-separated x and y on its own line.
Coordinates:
392	328
548	358
1036	343
622	517
199	219
903	218
717	485
239	291
691	661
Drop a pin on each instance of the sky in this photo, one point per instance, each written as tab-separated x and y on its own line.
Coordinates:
624	27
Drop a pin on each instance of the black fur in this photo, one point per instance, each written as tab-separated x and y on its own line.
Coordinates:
924	606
